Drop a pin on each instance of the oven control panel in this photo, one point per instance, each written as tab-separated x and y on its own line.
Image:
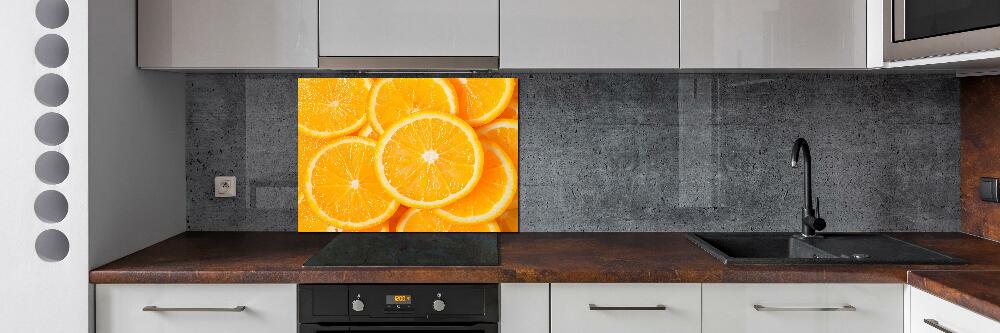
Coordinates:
398	303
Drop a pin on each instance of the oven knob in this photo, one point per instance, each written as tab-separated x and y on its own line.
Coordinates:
358	305
438	305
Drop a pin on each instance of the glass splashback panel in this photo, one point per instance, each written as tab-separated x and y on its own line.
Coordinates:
408	154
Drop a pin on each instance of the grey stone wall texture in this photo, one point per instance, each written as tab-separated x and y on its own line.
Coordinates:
639	152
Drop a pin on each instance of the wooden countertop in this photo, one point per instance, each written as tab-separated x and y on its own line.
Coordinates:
277	257
978	291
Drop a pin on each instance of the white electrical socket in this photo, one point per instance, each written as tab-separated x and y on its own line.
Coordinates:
225	187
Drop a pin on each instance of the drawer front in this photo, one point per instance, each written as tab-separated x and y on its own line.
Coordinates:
269	308
730	308
571	310
946	315
407	28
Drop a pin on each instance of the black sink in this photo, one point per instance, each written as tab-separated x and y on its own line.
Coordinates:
839	248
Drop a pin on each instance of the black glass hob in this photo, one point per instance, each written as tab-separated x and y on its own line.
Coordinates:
408	249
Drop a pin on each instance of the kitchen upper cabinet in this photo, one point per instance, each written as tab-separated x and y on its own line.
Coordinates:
196	308
589	34
817	308
455	29
775	34
227	33
626	307
930	314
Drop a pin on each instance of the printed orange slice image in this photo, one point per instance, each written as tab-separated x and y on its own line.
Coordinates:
483	99
511	112
508	221
421	220
341	186
395	98
504	133
331	107
492	194
429	160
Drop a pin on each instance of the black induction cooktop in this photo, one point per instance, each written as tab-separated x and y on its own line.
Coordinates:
408	249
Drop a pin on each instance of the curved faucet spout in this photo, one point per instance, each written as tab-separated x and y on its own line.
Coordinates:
810	222
807	188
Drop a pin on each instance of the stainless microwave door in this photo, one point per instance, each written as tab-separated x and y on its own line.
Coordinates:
926	28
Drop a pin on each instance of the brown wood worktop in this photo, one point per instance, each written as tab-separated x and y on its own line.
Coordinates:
277	257
978	291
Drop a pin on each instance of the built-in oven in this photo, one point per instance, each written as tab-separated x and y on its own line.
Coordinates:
386	308
928	28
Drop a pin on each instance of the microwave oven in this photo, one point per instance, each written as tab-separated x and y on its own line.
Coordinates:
915	29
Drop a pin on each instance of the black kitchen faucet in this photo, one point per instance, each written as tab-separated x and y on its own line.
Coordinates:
810	221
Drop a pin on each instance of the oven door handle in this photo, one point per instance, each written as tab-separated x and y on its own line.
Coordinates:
481	327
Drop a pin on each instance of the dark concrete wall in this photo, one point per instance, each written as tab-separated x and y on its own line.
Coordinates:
641	152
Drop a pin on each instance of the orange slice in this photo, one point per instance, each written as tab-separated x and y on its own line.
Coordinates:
511	112
367	132
331	107
492	194
481	100
508	221
342	187
504	133
396	98
420	220
429	160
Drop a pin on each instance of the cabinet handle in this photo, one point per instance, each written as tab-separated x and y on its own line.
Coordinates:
848	307
935	324
240	308
594	307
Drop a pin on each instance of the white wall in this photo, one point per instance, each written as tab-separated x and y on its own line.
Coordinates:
38	295
137	188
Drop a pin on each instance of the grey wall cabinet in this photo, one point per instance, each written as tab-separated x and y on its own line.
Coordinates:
227	33
589	34
407	28
774	34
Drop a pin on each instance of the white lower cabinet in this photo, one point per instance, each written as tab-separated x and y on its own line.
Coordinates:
816	308
524	308
930	314
625	307
196	308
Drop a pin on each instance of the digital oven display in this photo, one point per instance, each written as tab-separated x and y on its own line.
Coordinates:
398	299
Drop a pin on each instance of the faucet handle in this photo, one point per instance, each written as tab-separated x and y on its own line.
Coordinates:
817	206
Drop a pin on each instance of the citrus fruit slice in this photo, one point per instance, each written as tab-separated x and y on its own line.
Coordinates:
492	194
504	133
508	221
395	98
367	132
429	160
342	187
331	107
421	220
511	112
480	100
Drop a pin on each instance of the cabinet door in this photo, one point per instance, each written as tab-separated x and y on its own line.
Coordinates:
929	314
407	28
588	34
773	34
626	307
524	308
227	33
817	308
269	308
